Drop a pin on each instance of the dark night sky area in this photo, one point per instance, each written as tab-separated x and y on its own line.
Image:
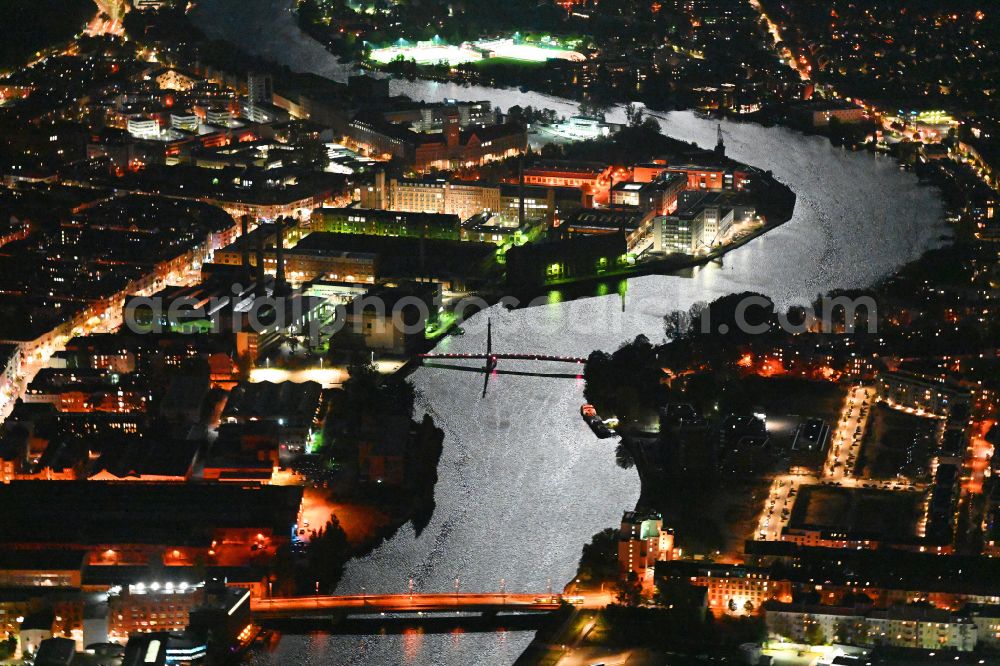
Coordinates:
29	25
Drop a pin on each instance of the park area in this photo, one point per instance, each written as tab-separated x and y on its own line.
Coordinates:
879	515
896	442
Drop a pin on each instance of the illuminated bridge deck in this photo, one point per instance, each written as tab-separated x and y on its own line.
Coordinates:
288	608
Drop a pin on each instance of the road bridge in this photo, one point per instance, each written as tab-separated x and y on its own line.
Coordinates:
291	608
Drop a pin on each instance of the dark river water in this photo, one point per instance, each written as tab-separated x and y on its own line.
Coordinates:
523	483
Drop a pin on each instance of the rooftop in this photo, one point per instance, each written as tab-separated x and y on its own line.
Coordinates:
284	401
399	256
567	166
98	512
595	218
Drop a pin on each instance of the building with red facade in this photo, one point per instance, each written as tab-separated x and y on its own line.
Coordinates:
712	174
593	179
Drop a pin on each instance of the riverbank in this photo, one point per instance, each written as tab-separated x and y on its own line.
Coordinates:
778	208
375	497
352	520
672	264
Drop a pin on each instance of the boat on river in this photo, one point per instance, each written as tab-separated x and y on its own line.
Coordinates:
600	428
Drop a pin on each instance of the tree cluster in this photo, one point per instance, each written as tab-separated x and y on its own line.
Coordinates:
626	382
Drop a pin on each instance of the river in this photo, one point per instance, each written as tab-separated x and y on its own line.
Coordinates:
523	483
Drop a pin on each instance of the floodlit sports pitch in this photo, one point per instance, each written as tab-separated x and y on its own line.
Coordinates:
433	52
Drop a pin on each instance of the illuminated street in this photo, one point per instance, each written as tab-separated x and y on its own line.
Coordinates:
108	20
584	656
845	442
980	454
778	505
801	68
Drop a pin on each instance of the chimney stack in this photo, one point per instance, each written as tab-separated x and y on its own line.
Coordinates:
260	288
381	198
279	256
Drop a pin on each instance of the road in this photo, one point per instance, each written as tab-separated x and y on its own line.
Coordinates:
845	442
802	68
570	647
778	505
588	656
980	453
108	20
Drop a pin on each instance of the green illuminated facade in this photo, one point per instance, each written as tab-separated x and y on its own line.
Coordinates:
565	261
373	222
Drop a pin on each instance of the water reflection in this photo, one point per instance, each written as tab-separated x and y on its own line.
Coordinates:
412	640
